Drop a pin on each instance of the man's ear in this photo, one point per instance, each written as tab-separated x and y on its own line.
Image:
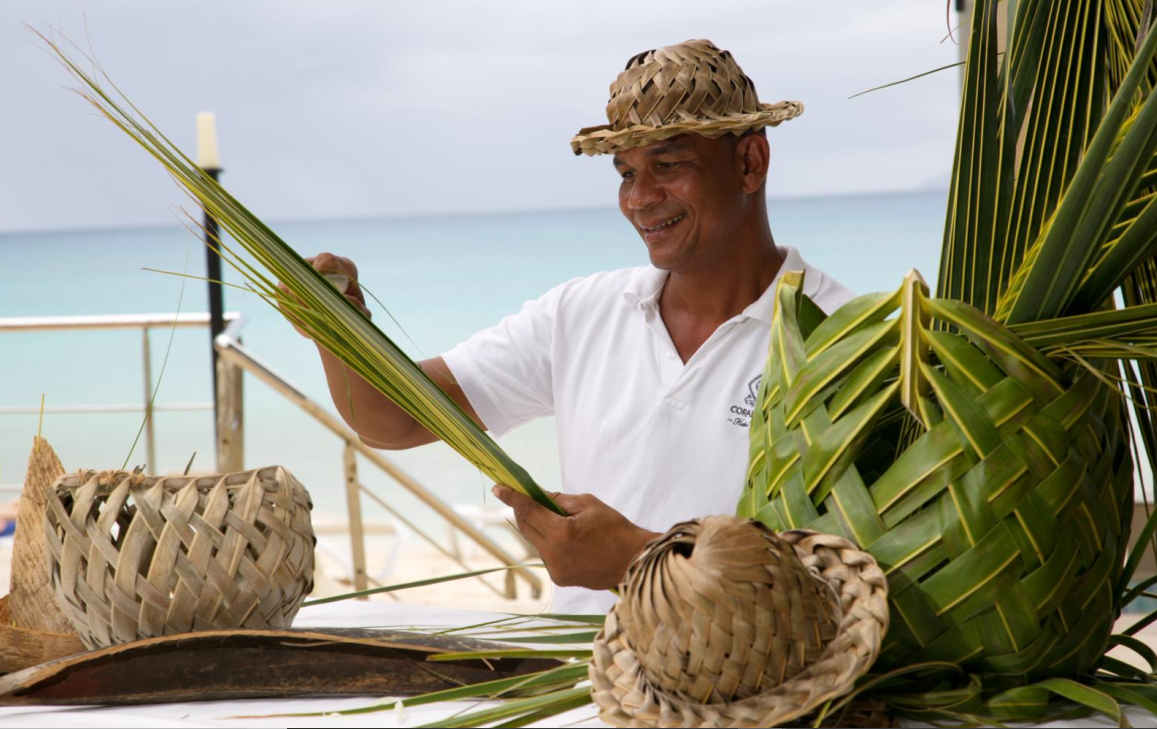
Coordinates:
753	156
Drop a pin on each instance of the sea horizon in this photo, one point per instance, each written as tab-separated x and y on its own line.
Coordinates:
490	212
443	277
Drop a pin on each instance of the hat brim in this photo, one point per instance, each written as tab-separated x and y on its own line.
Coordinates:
604	140
626	697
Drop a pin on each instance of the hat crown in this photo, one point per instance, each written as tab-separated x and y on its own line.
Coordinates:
694	80
726	611
689	88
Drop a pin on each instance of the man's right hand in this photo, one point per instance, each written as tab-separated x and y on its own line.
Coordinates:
380	423
329	263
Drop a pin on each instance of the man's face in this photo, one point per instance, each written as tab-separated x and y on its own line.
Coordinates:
684	196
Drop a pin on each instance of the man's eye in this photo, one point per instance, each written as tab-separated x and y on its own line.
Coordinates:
627	175
667	165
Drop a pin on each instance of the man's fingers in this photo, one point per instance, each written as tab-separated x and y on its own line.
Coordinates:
521	505
354	292
326	262
336	264
362	306
525	510
351	267
329	263
504	494
573	503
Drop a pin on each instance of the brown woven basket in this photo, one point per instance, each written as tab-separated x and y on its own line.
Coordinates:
723	623
33	629
137	556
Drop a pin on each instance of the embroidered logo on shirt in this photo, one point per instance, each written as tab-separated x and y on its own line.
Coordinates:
741	414
753	391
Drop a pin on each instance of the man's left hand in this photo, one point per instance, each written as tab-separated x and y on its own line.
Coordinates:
590	548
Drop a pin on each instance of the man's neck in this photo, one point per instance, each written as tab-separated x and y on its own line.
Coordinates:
724	290
694	303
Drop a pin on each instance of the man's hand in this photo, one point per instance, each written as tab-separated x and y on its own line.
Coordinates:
590	548
329	263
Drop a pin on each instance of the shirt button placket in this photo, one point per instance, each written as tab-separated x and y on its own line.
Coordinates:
672	368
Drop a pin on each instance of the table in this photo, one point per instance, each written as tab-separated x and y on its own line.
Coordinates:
351	614
338	615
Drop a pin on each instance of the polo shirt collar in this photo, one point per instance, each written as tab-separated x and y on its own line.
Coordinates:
644	287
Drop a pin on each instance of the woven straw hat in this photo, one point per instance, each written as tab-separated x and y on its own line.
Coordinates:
690	87
723	623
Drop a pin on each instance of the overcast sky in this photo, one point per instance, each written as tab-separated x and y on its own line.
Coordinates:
336	108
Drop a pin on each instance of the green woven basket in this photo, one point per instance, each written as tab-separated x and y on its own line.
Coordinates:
1001	518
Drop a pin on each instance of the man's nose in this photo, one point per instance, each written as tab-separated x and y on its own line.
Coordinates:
644	192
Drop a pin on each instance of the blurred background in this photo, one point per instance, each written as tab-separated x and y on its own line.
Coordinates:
429	143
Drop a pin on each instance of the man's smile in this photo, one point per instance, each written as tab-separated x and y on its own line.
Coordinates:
664	224
661	229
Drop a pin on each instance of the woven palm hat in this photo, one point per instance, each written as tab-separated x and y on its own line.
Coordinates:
723	623
690	87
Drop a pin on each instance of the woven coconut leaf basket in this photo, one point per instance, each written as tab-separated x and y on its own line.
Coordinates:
136	556
999	526
977	442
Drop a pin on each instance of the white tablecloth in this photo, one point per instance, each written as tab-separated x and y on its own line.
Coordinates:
338	615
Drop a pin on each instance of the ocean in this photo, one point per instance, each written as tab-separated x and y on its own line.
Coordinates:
442	278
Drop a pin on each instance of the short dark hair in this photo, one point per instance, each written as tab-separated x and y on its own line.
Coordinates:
734	138
733	141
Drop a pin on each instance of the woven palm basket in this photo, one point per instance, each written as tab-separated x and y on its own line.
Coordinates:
33	630
722	623
137	557
991	483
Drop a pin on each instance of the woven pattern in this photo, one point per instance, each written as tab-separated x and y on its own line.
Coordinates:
689	87
723	623
137	557
33	629
1000	518
32	601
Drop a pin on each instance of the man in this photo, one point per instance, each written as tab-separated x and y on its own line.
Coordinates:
651	372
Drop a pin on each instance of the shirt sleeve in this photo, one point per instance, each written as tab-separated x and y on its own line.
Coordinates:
506	370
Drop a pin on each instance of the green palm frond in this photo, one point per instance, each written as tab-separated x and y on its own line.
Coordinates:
978	202
314	304
980	450
1110	169
1002	527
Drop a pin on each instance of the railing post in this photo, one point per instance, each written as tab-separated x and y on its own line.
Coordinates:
354	505
150	440
230	416
254	366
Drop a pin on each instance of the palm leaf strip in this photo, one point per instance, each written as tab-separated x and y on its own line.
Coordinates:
314	305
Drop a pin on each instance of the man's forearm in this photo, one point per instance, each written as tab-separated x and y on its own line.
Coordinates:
379	422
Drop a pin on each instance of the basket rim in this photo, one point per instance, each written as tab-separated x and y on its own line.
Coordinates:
865	623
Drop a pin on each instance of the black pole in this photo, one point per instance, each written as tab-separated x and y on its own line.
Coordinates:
216	299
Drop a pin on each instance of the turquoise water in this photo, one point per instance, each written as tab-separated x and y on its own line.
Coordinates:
442	278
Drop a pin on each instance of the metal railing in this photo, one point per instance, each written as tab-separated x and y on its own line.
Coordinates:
233	358
143	322
232	362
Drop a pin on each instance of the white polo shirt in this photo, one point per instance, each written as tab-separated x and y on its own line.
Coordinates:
657	439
